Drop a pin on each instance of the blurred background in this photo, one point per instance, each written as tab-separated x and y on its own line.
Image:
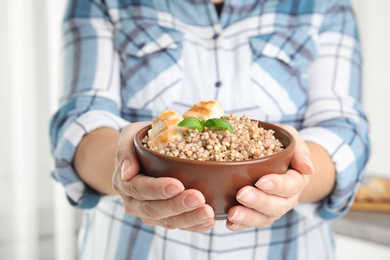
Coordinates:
36	221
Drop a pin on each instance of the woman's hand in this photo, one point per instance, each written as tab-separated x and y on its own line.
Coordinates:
274	194
157	201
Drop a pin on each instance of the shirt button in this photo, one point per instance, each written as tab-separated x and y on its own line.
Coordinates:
215	36
218	84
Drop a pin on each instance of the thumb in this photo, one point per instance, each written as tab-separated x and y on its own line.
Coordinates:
301	157
126	158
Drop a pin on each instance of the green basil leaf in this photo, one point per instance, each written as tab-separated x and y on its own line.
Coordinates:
201	120
219	124
192	123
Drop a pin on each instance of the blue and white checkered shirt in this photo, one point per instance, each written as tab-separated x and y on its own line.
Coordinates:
293	62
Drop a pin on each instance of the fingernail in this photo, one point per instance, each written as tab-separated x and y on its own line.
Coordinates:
265	184
309	164
237	216
192	201
247	196
204	214
172	190
125	166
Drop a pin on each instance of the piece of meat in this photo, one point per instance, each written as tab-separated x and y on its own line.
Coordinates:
164	129
206	110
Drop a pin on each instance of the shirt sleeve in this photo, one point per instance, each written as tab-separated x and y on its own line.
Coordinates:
334	118
91	95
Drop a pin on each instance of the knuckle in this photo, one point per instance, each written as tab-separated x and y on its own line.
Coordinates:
173	207
281	211
128	209
189	220
167	223
197	229
133	190
266	222
152	190
295	184
269	221
138	188
147	210
193	229
148	222
296	189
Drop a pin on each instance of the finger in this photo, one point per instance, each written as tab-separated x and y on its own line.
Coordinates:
240	218
301	161
301	156
235	226
202	227
264	203
285	185
126	159
160	209
143	187
200	216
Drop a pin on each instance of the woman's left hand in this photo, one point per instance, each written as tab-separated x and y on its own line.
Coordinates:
273	194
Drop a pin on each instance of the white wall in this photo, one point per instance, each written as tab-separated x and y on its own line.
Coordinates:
29	56
374	22
348	248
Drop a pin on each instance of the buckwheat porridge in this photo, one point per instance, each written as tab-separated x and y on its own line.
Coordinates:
249	141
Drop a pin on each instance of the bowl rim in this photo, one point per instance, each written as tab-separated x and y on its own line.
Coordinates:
289	149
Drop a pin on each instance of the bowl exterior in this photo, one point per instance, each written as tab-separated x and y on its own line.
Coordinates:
219	182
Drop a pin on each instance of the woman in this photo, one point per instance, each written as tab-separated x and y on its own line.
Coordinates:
292	62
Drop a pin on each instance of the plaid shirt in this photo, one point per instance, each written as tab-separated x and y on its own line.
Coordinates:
293	62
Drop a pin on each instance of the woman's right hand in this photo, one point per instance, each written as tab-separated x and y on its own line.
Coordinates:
157	201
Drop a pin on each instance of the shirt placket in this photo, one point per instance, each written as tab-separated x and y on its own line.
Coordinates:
220	56
217	38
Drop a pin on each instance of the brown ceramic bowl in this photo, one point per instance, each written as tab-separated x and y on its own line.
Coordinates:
219	182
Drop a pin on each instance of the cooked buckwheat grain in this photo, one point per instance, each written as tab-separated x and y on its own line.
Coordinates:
248	142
